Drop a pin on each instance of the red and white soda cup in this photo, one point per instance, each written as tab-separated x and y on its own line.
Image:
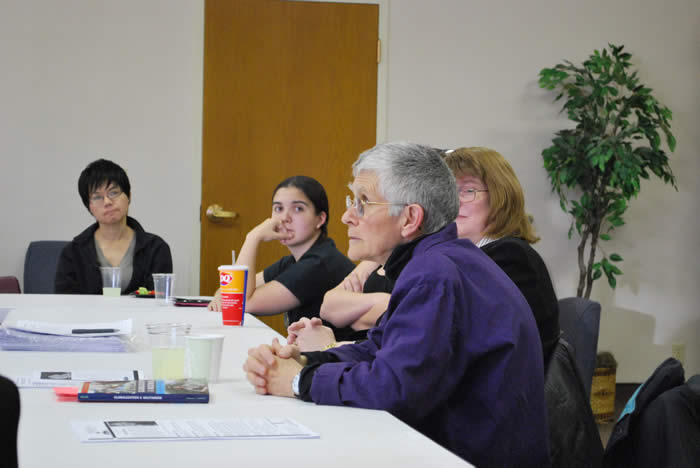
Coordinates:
233	281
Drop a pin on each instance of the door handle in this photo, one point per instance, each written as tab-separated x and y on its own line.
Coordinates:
216	213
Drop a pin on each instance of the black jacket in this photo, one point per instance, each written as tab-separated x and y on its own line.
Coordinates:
574	440
527	270
79	273
9	420
660	425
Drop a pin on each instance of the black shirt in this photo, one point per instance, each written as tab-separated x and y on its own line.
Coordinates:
320	269
78	270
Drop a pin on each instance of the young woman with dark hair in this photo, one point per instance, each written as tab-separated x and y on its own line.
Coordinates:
295	284
115	239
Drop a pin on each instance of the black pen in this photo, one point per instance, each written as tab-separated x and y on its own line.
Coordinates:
80	331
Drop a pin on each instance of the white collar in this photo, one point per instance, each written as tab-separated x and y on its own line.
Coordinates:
484	241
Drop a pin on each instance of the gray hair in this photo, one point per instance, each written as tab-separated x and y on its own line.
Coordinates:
411	173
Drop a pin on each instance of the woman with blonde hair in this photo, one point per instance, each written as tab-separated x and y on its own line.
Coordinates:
492	215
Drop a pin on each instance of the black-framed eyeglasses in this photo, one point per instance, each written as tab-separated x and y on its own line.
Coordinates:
359	204
112	195
468	195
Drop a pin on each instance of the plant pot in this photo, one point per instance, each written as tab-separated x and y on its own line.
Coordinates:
603	394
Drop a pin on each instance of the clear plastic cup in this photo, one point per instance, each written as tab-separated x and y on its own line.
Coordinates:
111	281
168	349
164	286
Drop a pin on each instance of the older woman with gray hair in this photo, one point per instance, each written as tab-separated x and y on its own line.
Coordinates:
457	353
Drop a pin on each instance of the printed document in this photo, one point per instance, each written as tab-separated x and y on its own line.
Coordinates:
190	429
73	378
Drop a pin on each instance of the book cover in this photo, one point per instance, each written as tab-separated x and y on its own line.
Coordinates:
146	391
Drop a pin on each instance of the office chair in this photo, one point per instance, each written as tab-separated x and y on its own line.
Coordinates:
9	285
579	319
40	265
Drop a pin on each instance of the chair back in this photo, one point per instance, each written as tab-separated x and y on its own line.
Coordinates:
9	285
579	320
40	265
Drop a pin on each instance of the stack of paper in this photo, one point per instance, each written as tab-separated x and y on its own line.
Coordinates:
27	335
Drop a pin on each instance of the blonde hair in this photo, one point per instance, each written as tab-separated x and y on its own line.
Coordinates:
507	215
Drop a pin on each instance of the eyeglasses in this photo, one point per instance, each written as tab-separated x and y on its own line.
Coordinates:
468	195
359	204
112	195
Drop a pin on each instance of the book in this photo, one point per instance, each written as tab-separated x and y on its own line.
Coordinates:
146	391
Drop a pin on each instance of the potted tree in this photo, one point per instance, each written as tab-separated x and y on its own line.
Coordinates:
596	167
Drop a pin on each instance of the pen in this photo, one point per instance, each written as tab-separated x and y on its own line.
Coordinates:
79	331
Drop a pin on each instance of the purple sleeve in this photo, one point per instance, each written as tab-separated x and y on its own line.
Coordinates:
413	367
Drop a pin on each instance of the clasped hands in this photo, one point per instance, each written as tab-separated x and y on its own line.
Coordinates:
271	368
310	334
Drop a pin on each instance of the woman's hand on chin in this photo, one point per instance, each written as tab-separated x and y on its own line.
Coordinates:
269	230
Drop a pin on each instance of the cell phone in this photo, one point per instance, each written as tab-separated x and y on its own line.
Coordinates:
191	302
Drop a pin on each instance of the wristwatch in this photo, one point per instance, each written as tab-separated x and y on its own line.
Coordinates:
295	384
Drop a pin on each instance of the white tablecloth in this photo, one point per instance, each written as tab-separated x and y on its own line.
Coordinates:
350	437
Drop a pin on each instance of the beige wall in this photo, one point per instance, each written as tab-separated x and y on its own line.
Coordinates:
465	73
83	79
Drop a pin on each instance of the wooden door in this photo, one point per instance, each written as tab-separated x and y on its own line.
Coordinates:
290	88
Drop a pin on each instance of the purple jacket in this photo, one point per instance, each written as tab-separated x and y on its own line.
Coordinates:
457	356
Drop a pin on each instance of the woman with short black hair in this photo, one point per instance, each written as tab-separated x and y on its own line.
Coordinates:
115	239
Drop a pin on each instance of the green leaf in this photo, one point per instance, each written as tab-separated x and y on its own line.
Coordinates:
612	281
615	257
616	221
605	237
671	141
562	175
597	274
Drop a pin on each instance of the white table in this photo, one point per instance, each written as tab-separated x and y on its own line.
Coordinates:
350	437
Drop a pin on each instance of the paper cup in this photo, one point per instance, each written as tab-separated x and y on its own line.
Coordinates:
233	280
203	356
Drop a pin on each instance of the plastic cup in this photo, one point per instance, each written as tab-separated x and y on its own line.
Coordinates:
164	285
203	356
233	280
168	349
111	281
